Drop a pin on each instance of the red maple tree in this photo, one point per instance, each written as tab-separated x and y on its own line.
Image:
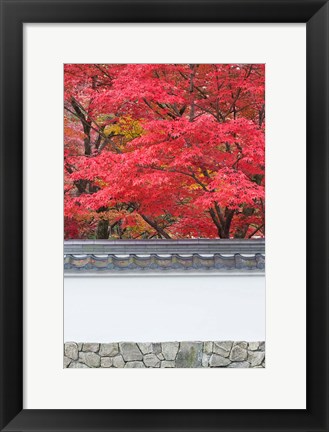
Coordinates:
164	150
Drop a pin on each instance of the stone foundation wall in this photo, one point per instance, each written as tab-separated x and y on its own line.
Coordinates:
225	354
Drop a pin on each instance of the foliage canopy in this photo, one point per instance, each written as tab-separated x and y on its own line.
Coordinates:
164	151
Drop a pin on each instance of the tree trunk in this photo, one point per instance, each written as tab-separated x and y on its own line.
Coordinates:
154	225
228	220
102	229
223	223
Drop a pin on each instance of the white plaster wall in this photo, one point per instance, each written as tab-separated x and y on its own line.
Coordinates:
164	308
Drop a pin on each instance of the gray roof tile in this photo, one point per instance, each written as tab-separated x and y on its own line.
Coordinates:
103	256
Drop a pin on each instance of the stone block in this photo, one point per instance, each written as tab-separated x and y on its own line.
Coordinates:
66	362
90	359
255	358
189	355
218	361
146	348
205	360
241	344
130	351
156	348
151	360
222	348
77	365
135	364
238	353
71	350
109	349
253	346
169	350
243	364
106	362
208	347
262	346
118	361
90	347
168	364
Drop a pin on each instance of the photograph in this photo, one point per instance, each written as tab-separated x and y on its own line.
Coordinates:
164	176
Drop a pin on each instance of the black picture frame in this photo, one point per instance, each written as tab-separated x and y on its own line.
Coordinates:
16	12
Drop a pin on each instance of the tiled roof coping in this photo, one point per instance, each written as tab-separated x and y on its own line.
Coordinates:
192	246
129	256
154	263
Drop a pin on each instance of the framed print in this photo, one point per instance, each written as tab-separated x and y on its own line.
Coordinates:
158	111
